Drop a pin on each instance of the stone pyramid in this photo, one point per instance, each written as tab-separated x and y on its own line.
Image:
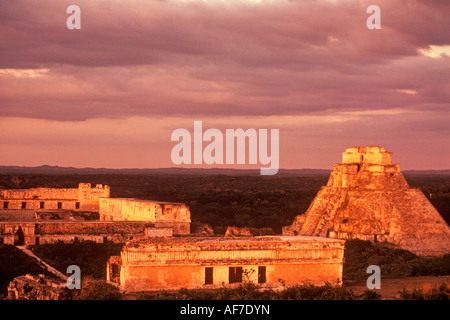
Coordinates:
367	197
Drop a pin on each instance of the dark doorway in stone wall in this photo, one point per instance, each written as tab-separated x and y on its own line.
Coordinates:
19	237
209	275
262	274
235	275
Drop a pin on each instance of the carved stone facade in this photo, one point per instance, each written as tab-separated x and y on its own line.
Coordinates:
33	233
83	198
161	214
213	262
367	197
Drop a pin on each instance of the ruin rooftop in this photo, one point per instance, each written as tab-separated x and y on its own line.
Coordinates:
226	241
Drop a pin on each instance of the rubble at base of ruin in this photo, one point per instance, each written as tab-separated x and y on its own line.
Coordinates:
248	232
35	287
367	197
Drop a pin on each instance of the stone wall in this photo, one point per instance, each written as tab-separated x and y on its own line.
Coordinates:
17	215
40	193
138	278
19	233
87	193
70	215
95	227
83	198
158	232
162	214
46	204
48	232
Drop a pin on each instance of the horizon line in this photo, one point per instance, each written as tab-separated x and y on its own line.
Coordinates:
184	168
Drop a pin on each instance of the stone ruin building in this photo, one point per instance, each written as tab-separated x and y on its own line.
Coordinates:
367	197
213	262
45	215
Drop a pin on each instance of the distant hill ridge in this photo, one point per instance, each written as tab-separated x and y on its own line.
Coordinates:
45	169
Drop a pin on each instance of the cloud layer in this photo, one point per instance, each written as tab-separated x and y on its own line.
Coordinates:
228	60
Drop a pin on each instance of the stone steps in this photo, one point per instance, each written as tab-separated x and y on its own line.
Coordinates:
45	265
315	212
337	201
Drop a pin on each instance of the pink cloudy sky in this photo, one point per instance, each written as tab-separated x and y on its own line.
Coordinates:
110	94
